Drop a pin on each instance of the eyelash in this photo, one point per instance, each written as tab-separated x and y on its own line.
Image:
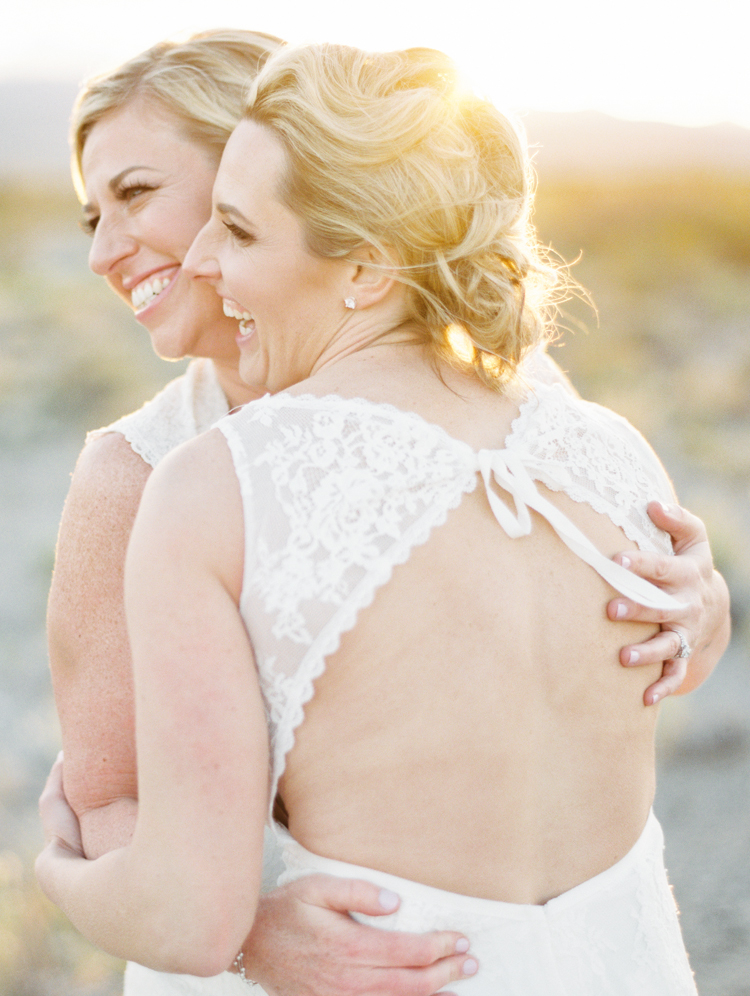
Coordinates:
125	192
239	234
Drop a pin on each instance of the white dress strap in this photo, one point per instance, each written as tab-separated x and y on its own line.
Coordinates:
508	470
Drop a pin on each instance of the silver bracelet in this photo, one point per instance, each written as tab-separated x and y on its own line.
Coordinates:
239	964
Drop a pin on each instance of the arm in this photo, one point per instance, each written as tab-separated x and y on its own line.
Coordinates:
302	938
182	895
704	623
88	644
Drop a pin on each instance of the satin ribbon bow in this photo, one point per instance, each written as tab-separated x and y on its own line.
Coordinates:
509	472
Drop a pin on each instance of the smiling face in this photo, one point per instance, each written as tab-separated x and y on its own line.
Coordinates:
148	191
253	251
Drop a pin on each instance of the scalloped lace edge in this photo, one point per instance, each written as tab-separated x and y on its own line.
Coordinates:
329	639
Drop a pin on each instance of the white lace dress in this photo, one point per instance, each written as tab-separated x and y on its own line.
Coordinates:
336	493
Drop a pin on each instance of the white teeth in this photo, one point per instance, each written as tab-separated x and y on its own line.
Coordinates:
144	293
231	312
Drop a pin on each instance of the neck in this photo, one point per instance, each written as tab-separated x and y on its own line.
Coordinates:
362	337
235	389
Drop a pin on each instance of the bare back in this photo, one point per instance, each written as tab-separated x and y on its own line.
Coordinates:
474	730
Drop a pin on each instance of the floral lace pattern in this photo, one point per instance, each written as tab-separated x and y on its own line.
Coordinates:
337	492
596	457
187	406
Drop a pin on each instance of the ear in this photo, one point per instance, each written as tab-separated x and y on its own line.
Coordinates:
371	279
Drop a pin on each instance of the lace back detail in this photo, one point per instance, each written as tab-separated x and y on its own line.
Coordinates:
337	492
335	496
595	457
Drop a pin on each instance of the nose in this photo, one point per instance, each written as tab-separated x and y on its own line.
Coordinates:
200	260
110	246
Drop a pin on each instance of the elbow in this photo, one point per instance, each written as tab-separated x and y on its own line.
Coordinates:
205	964
206	948
213	957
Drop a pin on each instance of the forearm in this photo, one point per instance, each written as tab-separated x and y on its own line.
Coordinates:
107	827
137	910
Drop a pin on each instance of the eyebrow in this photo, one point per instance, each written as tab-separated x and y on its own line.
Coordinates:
114	183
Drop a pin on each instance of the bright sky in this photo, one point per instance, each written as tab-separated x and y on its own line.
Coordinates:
670	60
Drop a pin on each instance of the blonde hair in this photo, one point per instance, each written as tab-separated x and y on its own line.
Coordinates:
202	81
388	150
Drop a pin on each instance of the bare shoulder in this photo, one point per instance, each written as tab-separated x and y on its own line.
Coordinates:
109	473
192	505
200	470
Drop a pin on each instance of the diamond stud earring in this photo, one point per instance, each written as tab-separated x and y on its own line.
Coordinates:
350	303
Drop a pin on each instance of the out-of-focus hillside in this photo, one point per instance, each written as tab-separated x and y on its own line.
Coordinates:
666	258
34	115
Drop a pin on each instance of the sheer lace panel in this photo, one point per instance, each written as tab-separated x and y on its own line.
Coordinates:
594	456
336	492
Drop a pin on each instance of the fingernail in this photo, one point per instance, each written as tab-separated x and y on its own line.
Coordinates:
470	967
462	945
622	610
388	900
654	698
633	657
59	756
626	562
666	509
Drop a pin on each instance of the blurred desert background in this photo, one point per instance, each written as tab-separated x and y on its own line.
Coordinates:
658	219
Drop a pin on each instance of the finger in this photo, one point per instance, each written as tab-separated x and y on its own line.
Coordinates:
53	787
621	609
345	895
685	528
60	822
661	647
369	945
661	569
672	677
58	819
399	949
426	981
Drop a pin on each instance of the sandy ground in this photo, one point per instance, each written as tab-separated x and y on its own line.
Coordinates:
703	799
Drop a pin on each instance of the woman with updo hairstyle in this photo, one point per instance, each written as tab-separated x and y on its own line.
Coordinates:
371	603
459	226
155	128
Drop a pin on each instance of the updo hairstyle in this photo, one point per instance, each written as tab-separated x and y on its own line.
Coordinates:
388	150
202	81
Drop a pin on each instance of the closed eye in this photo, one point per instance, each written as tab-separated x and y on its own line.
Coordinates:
88	224
239	234
129	191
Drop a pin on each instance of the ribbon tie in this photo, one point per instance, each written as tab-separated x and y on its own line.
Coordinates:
509	472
